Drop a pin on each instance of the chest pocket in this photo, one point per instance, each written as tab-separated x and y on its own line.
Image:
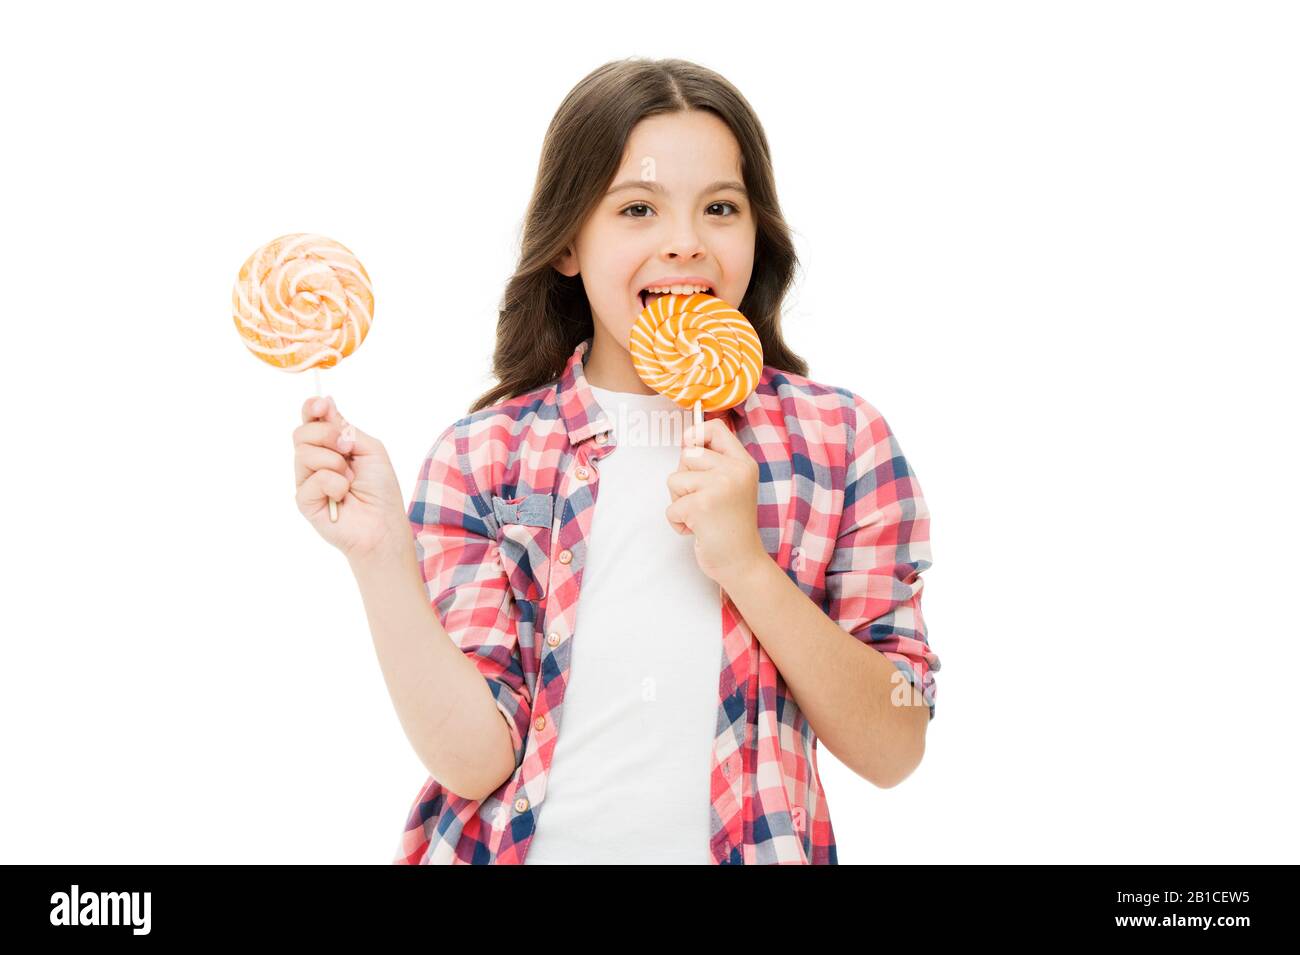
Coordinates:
525	541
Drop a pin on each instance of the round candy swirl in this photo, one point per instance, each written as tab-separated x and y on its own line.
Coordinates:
696	348
303	301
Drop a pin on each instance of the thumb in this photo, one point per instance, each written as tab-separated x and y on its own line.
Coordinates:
363	444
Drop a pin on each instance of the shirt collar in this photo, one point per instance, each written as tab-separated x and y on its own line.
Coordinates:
583	416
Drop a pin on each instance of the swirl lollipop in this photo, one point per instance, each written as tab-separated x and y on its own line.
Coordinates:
696	350
303	301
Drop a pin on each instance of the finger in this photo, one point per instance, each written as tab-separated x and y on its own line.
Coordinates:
679	515
325	434
319	409
714	433
699	458
349	439
318	489
309	458
684	482
324	409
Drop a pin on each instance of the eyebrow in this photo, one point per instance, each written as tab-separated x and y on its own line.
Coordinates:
653	186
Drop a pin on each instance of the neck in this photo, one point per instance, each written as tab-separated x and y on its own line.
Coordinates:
609	366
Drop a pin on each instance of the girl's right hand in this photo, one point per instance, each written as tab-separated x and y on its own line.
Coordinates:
334	459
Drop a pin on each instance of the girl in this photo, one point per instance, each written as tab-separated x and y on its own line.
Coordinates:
649	685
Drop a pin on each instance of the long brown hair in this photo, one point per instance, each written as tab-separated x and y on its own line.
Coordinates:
545	315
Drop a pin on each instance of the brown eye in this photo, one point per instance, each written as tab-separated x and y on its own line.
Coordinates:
638	205
735	210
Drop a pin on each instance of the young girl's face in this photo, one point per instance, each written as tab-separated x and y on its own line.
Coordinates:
676	208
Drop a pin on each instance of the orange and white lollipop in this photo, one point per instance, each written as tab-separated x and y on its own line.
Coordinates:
303	301
697	350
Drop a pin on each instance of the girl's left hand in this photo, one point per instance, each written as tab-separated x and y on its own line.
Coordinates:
715	497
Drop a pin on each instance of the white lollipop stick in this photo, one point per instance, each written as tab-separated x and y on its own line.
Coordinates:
334	505
699	422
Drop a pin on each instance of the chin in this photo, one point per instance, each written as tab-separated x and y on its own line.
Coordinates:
619	331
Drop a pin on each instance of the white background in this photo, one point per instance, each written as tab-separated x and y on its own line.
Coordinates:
1054	244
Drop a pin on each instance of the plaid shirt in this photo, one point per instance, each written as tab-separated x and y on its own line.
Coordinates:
501	515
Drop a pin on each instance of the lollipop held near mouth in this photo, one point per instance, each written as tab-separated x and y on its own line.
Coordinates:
303	301
697	350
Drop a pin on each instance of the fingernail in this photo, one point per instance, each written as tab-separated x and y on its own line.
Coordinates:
345	443
318	406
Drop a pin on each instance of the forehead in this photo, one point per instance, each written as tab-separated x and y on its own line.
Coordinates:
682	146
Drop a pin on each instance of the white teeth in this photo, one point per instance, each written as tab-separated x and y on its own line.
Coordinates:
678	289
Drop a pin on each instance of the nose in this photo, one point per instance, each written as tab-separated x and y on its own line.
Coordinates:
684	245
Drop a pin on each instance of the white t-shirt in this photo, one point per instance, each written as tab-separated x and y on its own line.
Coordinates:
629	778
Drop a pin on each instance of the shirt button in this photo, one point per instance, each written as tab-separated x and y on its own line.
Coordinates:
726	769
539	723
521	804
583	474
553	638
566	556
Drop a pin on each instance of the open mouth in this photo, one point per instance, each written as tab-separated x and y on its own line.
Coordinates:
647	297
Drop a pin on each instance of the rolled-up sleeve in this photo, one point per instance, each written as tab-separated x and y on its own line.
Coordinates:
873	580
467	586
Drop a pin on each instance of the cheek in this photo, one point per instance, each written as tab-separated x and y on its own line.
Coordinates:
627	255
737	260
613	265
